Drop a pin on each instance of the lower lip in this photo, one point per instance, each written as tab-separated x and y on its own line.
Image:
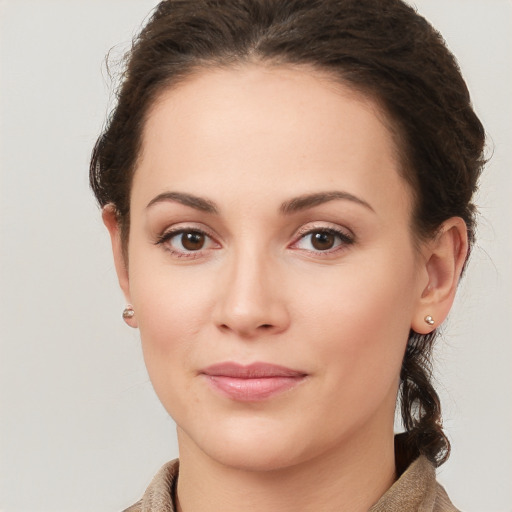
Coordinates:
252	390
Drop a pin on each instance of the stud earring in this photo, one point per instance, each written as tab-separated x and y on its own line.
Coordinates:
128	312
429	320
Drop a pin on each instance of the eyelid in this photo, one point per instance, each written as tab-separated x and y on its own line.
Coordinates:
183	227
171	233
325	226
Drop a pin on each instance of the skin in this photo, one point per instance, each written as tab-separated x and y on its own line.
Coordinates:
250	140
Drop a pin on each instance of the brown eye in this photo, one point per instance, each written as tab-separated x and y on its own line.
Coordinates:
323	240
192	240
326	240
187	243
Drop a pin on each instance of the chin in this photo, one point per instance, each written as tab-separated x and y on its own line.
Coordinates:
255	448
255	457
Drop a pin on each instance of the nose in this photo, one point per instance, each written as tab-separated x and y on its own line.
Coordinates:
252	300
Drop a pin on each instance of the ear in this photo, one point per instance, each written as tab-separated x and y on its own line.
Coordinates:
111	222
444	259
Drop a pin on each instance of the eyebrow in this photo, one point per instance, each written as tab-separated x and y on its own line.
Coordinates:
310	200
199	203
288	207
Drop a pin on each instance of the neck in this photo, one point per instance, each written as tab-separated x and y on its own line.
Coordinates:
351	477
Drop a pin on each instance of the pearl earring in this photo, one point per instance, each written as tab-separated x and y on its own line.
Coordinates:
128	312
429	320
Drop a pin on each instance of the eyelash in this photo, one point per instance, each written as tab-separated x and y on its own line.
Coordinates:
344	240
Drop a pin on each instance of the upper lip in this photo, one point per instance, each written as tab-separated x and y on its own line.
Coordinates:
251	371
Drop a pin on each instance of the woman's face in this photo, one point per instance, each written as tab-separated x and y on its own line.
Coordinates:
269	224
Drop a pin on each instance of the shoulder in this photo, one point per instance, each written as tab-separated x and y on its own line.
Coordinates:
160	492
136	507
442	501
416	490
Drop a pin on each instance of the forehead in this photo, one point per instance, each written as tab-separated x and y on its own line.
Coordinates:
260	129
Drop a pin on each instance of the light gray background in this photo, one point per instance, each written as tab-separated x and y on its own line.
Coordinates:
80	427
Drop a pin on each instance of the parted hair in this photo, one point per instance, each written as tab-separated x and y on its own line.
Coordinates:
382	48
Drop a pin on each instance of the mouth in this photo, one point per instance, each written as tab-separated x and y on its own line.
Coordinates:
251	383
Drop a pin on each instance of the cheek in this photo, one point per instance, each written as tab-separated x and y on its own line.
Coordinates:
171	315
361	317
172	310
168	301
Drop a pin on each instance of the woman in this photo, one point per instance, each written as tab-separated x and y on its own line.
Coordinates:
288	187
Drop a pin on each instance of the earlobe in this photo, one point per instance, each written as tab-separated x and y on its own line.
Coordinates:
445	257
111	221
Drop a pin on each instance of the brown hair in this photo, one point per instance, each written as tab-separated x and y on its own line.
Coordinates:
383	48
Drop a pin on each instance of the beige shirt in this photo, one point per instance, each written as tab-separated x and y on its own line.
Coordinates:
415	491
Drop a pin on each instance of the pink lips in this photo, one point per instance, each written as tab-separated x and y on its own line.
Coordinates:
252	383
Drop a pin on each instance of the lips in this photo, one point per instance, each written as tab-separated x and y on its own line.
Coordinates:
251	383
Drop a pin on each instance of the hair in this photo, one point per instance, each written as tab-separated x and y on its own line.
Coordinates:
382	48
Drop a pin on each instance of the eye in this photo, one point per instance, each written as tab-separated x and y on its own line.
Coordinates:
323	240
183	242
191	241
